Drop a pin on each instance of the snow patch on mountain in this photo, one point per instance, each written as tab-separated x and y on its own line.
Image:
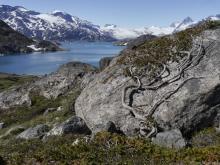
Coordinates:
34	48
122	33
51	19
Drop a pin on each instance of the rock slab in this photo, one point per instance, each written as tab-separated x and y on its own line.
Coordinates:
34	133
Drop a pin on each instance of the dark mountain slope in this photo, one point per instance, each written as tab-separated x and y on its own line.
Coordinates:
12	41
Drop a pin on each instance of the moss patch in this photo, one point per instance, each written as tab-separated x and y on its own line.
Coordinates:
8	80
206	137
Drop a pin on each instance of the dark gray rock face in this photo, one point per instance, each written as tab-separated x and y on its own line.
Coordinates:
71	75
194	106
74	125
110	127
170	139
104	62
12	41
34	133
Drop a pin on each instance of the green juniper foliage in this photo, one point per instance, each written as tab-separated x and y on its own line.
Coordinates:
105	148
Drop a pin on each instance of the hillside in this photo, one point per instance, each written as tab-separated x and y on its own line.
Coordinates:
14	42
158	101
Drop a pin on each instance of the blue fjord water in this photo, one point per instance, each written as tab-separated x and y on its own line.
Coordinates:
44	63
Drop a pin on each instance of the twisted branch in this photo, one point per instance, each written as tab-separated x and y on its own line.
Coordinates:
192	59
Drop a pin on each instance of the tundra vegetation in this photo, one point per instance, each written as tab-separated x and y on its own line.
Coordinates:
105	147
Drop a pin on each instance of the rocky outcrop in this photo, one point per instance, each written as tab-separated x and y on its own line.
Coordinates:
104	62
74	125
15	97
170	139
68	76
190	103
34	133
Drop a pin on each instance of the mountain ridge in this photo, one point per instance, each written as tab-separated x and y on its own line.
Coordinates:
59	25
55	26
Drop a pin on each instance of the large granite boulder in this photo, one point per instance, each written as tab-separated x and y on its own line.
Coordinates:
194	106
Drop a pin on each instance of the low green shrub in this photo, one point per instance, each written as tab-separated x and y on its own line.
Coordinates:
155	52
7	81
105	148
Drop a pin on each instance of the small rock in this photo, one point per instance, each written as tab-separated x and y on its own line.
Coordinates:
2	125
76	142
60	108
217	129
34	133
49	110
170	139
74	125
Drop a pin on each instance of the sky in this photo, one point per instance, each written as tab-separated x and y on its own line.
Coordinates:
126	13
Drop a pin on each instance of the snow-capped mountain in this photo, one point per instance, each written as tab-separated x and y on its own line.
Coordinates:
57	25
60	25
186	23
124	33
214	17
